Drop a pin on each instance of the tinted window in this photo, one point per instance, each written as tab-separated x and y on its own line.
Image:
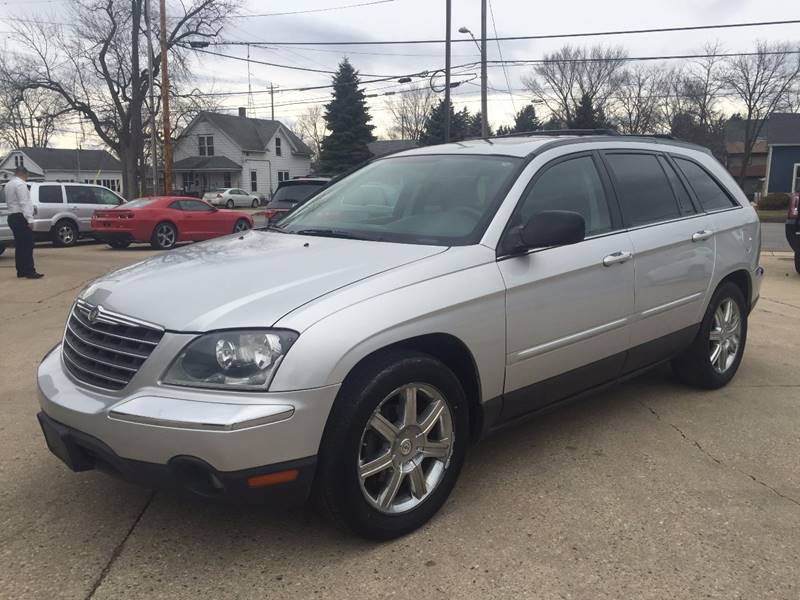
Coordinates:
50	194
175	205
644	193
107	197
139	203
77	194
296	193
570	185
684	201
195	206
708	191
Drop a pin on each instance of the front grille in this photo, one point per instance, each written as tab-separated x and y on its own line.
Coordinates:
106	349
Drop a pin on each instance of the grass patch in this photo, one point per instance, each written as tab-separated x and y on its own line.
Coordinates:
772	216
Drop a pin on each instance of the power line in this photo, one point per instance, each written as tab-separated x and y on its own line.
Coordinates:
521	37
500	52
312	10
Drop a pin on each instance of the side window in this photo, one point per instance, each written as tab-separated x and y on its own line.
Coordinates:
50	194
106	197
195	206
684	201
643	190
175	205
80	194
574	185
708	191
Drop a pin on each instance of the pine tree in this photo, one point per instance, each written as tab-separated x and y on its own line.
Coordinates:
434	125
348	121
526	120
587	116
474	125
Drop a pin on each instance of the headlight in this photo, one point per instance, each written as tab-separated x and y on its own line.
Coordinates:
245	360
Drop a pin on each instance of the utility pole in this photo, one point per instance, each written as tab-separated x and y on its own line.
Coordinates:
448	15
150	63
484	99
272	100
165	99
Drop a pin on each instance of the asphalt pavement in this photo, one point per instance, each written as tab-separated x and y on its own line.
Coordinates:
773	237
649	490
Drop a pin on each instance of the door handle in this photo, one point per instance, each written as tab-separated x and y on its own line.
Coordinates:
702	235
616	258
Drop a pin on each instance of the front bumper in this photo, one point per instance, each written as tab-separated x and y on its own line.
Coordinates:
227	434
82	452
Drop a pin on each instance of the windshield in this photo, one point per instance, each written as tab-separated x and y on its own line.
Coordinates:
138	203
296	192
432	199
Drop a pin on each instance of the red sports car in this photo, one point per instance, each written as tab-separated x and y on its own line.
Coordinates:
165	220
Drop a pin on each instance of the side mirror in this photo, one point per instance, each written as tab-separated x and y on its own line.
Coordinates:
548	228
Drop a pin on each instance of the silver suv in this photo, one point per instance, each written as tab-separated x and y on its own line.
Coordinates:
361	346
63	211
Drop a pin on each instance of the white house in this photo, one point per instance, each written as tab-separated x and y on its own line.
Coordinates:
64	164
219	151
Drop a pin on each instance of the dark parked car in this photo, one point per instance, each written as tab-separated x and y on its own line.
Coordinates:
291	194
793	228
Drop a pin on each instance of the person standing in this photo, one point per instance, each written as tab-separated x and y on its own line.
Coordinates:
20	215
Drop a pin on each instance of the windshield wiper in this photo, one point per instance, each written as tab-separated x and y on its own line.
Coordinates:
334	233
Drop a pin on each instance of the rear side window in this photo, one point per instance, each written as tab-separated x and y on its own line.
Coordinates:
50	194
643	190
708	191
575	185
78	194
175	205
684	201
195	206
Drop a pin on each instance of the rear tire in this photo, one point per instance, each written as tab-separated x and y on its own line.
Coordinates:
164	237
2	247
797	262
65	234
229	204
415	459
119	244
714	357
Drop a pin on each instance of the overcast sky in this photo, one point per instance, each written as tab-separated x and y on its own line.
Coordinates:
425	19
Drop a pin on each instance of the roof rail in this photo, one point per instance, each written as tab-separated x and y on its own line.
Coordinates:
553	132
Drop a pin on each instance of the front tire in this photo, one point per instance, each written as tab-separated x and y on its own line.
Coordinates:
256	203
393	446
241	225
714	357
164	237
229	204
65	234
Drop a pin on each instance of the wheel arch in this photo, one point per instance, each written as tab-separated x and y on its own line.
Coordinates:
740	278
453	353
171	222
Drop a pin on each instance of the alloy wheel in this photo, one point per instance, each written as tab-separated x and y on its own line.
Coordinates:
241	225
66	234
405	448
725	336
165	235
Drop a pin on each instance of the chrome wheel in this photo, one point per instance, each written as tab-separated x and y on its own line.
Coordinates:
66	234
165	235
405	448
241	225
725	337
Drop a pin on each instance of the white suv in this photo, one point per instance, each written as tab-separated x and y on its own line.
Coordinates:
359	347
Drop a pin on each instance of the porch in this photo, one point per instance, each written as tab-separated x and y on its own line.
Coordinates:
200	174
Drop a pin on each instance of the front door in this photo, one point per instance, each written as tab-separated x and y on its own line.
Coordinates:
673	246
202	219
568	307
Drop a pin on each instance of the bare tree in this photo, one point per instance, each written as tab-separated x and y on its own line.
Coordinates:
762	83
574	73
98	66
311	128
702	85
638	103
409	111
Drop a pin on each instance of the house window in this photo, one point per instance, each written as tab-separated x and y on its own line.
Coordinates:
283	176
796	178
187	181
253	181
277	146
19	160
205	145
226	180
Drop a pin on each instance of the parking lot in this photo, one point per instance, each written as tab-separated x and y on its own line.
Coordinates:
649	490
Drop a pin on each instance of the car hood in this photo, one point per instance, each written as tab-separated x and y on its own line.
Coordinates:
247	280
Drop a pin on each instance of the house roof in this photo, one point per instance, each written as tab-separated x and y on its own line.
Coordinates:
784	128
253	134
384	147
206	163
66	159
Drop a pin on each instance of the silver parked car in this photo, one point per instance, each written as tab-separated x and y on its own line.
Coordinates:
5	231
63	211
232	198
360	347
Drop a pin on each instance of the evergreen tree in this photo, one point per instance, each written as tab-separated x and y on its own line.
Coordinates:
434	125
474	125
348	121
587	116
526	120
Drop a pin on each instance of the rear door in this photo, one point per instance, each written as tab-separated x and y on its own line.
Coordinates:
82	201
49	201
568	307
673	246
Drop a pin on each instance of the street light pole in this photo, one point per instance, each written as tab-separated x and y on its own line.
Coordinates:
448	15
165	99
484	99
153	130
